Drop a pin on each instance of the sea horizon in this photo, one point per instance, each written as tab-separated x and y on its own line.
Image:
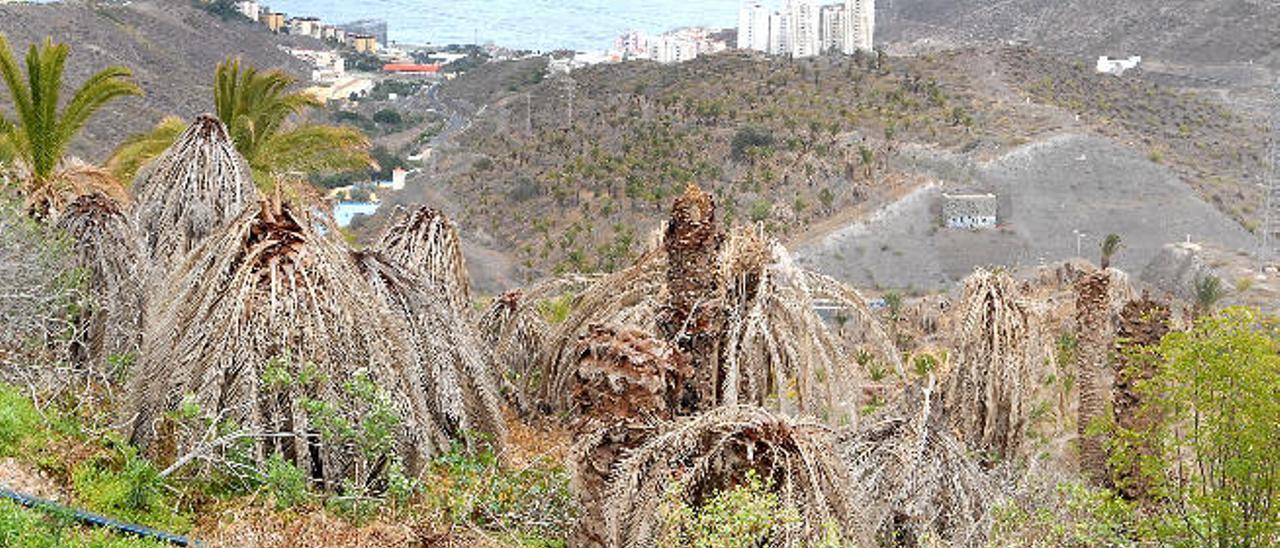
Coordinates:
542	25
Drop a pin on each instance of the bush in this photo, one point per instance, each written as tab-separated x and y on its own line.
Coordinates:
748	138
1220	435
469	487
388	117
747	515
1077	515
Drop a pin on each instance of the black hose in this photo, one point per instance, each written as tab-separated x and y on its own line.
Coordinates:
95	519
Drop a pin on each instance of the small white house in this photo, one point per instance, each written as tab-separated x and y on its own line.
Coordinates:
969	211
1118	67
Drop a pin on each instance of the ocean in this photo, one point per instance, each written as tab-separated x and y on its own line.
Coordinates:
583	25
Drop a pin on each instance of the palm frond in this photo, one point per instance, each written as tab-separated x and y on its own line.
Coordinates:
314	149
142	148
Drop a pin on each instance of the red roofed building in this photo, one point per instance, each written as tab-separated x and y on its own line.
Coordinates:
410	68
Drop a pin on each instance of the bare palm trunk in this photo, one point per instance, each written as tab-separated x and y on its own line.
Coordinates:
693	317
1096	332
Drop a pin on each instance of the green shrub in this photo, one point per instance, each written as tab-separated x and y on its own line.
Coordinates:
286	483
125	486
19	421
747	515
470	487
1217	392
1077	515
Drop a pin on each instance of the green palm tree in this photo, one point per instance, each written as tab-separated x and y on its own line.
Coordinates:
1110	246
257	107
136	151
33	148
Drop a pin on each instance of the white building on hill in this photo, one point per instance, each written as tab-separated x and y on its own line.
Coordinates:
804	28
249	9
753	27
859	25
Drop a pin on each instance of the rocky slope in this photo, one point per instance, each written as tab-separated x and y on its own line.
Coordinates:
171	46
1187	31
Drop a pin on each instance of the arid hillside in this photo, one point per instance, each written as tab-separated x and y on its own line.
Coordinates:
567	173
171	46
1186	31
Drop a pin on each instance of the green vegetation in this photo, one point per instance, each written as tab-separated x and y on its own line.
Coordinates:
1216	392
39	138
38	528
746	515
257	107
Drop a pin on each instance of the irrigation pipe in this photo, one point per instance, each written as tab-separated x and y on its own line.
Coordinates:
95	519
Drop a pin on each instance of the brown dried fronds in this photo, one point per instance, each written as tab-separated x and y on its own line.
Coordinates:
453	365
1001	351
198	186
912	480
106	247
713	452
515	330
627	380
426	242
269	330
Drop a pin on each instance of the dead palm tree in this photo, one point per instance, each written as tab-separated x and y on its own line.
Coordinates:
37	143
192	190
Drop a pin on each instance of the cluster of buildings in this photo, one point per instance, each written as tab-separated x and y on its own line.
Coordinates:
363	39
676	46
804	28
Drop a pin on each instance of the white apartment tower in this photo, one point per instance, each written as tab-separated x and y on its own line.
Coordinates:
831	28
802	28
753	27
859	25
779	41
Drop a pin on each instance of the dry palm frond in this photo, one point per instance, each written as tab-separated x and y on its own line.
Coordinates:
1000	350
715	451
426	242
454	369
748	323
775	347
195	188
72	178
268	328
628	297
912	480
626	383
107	248
863	321
515	329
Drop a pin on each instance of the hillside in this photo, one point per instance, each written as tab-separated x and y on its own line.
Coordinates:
171	46
804	147
1184	31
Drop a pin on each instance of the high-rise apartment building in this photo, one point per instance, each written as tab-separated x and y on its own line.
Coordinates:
802	25
831	28
859	25
753	27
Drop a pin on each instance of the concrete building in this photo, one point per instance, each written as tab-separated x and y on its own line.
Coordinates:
859	26
753	27
831	28
326	66
802	28
634	44
273	21
970	211
1118	67
364	43
250	9
304	26
778	42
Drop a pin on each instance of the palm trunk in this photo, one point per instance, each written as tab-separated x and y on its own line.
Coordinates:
693	318
1096	332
